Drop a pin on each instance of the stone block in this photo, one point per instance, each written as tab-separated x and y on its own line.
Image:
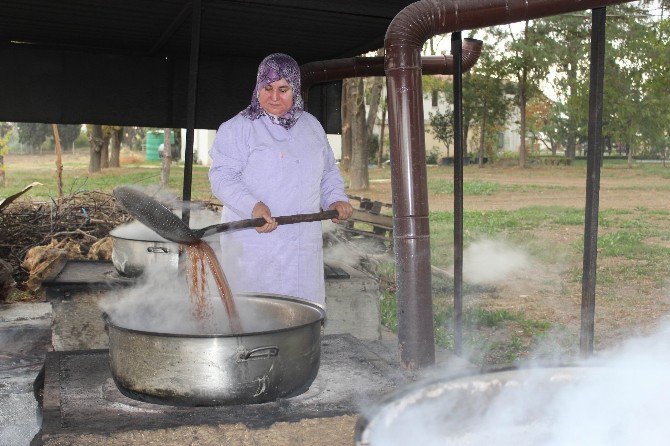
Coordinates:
353	305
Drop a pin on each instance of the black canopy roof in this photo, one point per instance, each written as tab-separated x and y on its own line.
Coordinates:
126	62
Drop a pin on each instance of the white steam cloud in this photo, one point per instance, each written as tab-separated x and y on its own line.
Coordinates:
617	399
492	261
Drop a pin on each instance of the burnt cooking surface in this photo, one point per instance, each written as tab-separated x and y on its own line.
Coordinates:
80	395
75	275
84	275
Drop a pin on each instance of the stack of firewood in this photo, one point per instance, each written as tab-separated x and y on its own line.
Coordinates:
82	218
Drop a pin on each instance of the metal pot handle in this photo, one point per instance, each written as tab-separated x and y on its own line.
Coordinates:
158	250
258	353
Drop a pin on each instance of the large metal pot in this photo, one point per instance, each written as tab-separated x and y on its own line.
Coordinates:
132	256
504	407
256	366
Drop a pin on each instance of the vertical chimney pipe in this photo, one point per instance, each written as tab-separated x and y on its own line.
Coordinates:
405	37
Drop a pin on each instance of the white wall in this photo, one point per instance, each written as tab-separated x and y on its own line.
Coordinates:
202	142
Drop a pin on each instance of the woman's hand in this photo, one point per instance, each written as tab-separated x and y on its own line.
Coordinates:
343	209
261	210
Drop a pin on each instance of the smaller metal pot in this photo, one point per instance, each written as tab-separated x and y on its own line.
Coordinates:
131	256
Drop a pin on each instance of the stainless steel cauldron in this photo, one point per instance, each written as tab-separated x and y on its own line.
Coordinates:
279	359
132	256
504	407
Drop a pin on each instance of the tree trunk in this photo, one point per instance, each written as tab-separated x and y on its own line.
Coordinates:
375	98
629	149
59	161
3	180
95	140
571	141
360	150
104	151
522	119
115	155
167	158
380	153
482	138
347	108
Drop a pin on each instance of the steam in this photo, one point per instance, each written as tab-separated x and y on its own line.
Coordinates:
350	252
162	302
491	261
617	399
159	302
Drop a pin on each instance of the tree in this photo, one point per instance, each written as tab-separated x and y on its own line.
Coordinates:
543	123
566	39
348	104
33	134
104	150
360	147
486	103
115	154
442	126
380	149
5	133
68	134
527	64
96	141
167	158
630	115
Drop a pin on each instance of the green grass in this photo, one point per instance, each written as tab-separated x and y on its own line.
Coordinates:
441	186
486	338
76	178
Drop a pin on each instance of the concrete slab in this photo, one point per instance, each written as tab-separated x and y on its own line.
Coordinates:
24	311
25	337
82	402
353	305
78	323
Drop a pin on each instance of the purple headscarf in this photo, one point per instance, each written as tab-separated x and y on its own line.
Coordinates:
274	67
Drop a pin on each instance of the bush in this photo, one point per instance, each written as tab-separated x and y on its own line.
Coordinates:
432	155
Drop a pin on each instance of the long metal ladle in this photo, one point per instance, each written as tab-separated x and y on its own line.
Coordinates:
165	223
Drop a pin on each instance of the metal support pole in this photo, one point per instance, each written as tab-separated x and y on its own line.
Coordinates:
191	106
458	192
594	163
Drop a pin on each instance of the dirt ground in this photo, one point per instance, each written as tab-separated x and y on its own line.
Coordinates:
552	292
620	188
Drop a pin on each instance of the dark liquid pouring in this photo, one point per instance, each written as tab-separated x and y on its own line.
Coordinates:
202	257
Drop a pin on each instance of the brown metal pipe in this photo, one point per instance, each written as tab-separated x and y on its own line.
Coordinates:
335	69
404	39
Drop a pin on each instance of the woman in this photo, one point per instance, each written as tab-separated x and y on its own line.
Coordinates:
273	158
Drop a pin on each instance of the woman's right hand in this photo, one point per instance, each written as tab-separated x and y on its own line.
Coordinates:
261	210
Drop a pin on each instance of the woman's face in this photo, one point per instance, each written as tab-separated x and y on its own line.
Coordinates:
276	98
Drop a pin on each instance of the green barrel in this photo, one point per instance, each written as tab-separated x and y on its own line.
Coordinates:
153	140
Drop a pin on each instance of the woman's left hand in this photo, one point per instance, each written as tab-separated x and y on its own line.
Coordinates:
344	210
